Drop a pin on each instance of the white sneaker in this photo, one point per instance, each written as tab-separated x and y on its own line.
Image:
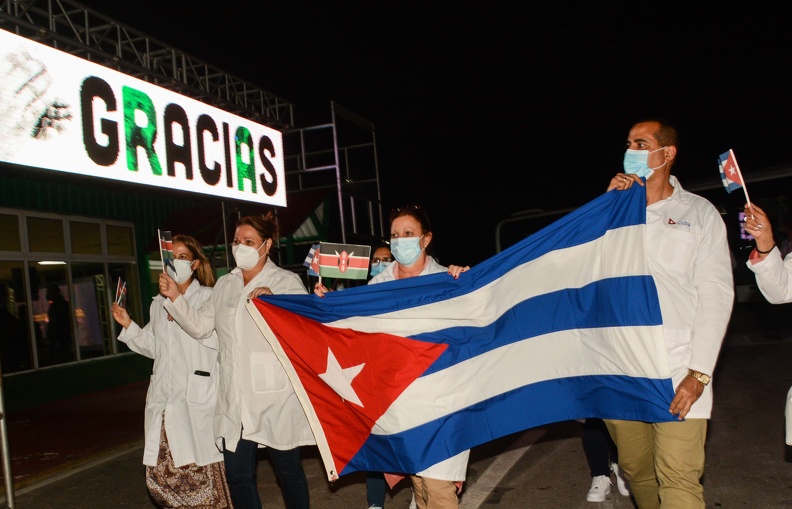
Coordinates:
621	482
600	486
413	505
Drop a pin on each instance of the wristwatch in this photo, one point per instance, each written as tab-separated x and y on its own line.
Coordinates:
701	377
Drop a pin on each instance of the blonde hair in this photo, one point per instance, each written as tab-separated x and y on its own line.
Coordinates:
203	273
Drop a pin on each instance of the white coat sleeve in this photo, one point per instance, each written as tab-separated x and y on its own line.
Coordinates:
198	323
774	277
139	340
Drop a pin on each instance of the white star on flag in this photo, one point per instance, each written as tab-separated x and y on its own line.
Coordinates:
340	379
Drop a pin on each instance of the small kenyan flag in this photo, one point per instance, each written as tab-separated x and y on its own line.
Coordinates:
344	261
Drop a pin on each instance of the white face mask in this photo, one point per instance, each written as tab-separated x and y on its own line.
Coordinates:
183	270
406	250
246	257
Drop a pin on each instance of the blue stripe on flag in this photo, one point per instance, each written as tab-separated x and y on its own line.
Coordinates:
524	408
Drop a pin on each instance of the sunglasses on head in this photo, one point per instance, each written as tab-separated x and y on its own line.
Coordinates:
410	208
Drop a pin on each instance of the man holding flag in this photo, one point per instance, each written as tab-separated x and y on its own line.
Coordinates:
689	260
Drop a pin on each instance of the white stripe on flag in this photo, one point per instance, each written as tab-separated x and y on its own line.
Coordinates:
574	353
486	304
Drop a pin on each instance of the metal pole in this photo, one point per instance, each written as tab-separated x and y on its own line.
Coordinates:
225	237
7	476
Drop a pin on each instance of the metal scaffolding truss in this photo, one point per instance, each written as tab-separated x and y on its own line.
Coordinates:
80	31
338	158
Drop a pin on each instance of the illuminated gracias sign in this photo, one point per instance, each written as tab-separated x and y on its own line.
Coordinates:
63	113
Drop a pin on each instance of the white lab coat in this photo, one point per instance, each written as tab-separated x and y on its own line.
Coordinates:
185	398
690	262
255	395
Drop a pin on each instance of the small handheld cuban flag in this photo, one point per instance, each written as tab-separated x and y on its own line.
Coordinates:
730	173
312	260
121	293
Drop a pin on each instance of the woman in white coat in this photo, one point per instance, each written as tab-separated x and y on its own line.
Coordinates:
184	468
773	275
256	403
438	486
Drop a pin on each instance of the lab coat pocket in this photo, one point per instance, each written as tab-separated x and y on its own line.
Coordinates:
678	249
200	389
267	373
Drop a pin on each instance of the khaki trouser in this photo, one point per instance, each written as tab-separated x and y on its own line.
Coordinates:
434	493
663	461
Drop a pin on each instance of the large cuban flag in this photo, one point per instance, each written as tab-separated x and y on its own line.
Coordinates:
397	376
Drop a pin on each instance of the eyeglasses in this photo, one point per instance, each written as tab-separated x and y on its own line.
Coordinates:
386	259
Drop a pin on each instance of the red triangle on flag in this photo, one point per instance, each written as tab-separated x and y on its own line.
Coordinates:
730	169
315	262
390	364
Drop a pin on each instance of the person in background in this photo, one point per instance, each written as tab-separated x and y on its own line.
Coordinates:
12	336
380	258
602	457
438	486
688	257
184	468
773	273
59	329
256	403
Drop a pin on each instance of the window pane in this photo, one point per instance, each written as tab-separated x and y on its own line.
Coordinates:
15	344
120	241
46	235
9	233
91	309
53	313
85	238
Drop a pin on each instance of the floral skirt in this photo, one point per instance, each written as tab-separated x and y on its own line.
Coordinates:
189	486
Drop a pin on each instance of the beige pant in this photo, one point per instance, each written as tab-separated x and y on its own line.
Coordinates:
434	493
663	461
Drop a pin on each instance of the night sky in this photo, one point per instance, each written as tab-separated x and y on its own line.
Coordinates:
484	111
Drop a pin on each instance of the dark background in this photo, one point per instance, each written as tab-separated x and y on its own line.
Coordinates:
483	110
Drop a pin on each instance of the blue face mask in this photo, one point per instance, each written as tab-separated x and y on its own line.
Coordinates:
637	162
378	267
406	250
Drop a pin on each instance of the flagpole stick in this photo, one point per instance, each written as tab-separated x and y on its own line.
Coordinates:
742	182
162	254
